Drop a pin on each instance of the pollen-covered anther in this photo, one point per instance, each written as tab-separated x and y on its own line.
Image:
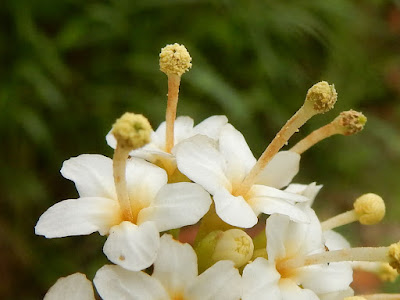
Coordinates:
351	122
387	273
322	97
175	59
370	209
235	245
394	255
132	131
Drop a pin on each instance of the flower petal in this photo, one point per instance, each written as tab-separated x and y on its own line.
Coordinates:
234	210
183	129
176	265
211	126
280	170
92	174
337	295
177	205
260	280
221	281
144	180
307	190
335	241
110	139
259	190
200	161
132	247
79	217
237	154
75	286
290	290
113	282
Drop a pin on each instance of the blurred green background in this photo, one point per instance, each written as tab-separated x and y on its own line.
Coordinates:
69	68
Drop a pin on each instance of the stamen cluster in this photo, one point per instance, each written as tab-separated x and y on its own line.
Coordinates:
254	233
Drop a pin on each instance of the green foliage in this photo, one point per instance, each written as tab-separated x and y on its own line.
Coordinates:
70	68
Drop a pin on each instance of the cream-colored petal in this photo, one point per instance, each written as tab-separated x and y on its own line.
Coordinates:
144	180
114	283
237	154
309	191
199	159
75	286
234	210
211	126
92	174
132	247
290	290
176	265
177	205
220	281
79	217
280	170
260	281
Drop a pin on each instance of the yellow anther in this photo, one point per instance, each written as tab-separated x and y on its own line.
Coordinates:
394	255
350	122
370	208
322	97
235	245
132	131
175	59
387	273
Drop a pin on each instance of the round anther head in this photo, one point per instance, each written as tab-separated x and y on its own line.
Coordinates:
351	122
322	97
370	209
394	254
175	59
132	131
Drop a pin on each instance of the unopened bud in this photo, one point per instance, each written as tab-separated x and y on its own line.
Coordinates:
370	209
132	131
394	254
175	59
350	122
322	97
235	245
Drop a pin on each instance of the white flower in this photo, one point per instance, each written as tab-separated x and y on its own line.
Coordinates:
307	190
221	167
75	286
154	152
267	279
175	277
156	206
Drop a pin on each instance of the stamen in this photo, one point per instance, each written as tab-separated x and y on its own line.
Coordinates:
347	123
368	209
174	61
383	270
320	98
131	132
389	254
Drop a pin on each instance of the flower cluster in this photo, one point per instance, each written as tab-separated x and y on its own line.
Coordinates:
158	182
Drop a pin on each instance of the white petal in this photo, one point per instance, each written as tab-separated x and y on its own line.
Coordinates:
176	265
335	241
144	180
280	170
114	282
337	295
201	162
234	210
290	291
177	205
307	190
259	190
92	174
260	281
211	126
221	281
237	154
75	286
315	278
79	217
110	139
132	247
183	129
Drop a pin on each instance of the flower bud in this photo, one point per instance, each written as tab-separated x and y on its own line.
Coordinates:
322	97
132	131
235	245
370	209
175	59
351	122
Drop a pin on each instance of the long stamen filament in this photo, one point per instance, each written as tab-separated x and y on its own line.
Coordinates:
173	92
340	220
120	157
352	254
